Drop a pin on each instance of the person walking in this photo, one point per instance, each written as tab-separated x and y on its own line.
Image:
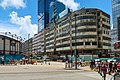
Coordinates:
3	60
104	70
91	65
115	67
99	66
110	65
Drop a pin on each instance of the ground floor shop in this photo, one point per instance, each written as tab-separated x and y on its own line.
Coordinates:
5	59
84	54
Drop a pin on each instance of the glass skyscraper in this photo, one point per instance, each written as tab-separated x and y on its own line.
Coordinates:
56	8
115	12
43	13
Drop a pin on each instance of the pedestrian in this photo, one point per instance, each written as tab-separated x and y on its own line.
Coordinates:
104	70
94	64
3	60
91	64
99	66
110	67
115	66
66	63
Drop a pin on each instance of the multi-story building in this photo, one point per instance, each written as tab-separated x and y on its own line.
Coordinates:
38	43
57	11
27	47
115	12
10	48
87	30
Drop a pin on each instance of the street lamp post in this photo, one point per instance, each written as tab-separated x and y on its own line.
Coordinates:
76	52
28	46
70	32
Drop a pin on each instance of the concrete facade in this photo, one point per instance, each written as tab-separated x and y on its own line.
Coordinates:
9	46
27	47
92	33
38	43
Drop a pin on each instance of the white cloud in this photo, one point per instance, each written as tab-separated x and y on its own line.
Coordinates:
24	23
8	28
71	4
13	3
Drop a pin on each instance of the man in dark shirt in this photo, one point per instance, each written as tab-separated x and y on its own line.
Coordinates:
110	67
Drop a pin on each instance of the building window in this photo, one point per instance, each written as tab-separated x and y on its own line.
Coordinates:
84	37
87	43
106	38
94	43
80	43
104	31
99	38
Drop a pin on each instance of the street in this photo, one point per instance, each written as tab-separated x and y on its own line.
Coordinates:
55	71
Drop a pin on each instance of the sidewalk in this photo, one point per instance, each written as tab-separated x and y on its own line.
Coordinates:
46	68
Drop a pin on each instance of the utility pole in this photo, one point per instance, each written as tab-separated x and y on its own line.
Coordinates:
54	35
70	32
76	52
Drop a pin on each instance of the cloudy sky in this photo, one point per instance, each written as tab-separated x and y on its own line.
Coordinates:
20	16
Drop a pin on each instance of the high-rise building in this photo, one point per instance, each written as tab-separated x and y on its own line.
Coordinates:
115	32
115	12
92	34
43	13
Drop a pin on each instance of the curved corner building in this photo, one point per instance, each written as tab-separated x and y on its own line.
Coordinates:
92	37
10	48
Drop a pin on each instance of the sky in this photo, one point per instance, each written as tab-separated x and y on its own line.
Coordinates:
20	16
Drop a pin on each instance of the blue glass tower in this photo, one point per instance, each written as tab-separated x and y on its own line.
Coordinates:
57	9
115	12
43	13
